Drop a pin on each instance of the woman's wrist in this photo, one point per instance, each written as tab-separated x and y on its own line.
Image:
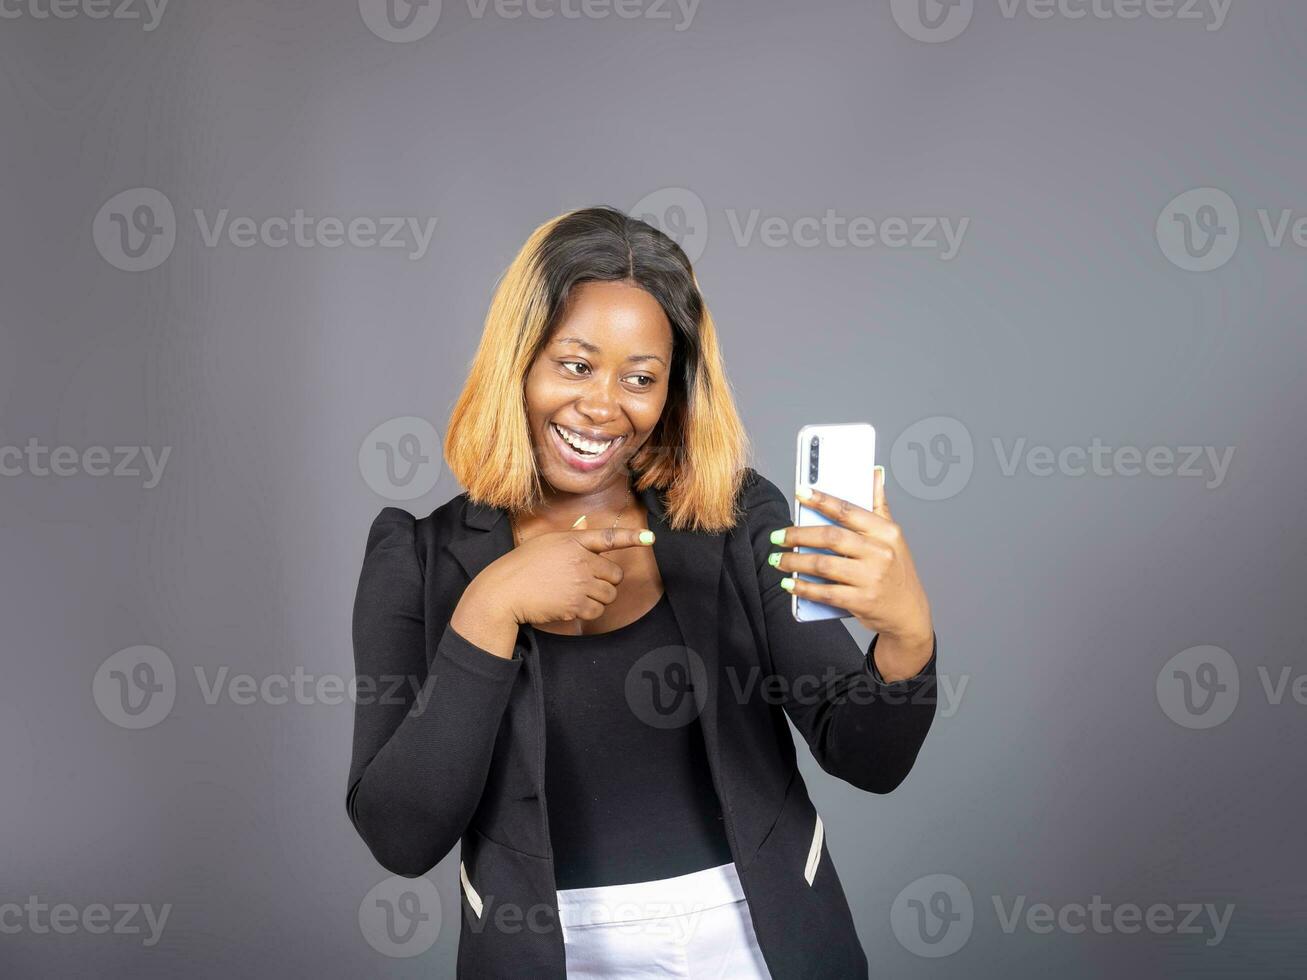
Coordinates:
485	623
898	658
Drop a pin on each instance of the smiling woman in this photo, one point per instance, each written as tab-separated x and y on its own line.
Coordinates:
601	588
587	391
598	328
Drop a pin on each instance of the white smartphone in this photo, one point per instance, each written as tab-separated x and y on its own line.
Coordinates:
839	459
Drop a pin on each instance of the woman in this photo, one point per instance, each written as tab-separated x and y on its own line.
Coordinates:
612	585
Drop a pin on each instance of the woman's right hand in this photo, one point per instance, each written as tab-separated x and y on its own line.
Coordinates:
557	576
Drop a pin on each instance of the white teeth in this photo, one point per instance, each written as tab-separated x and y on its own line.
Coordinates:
589	445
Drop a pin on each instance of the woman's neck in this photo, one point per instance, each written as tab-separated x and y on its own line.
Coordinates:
601	507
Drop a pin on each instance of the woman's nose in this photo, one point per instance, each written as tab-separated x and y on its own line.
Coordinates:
599	403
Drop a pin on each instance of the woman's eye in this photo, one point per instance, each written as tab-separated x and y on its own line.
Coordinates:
644	380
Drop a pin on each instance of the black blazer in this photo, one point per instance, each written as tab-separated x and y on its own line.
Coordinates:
455	753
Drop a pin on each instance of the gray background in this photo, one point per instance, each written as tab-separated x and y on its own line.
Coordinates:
1059	599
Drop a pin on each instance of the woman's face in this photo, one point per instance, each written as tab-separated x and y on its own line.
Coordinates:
602	377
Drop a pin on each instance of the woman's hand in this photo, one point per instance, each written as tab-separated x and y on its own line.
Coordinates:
871	575
558	576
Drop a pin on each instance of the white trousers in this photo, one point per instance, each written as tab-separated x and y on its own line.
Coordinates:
694	926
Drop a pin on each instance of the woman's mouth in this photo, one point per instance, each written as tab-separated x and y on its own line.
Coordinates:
579	452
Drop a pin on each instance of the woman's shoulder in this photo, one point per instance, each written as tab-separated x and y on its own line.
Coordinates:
397	528
401	519
758	500
756	490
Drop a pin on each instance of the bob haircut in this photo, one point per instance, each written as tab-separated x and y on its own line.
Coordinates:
696	454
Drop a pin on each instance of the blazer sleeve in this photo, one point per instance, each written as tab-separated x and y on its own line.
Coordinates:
859	727
422	739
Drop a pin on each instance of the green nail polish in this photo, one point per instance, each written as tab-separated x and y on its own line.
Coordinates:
646	537
774	559
778	537
787	584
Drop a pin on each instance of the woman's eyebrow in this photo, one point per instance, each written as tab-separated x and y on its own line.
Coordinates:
590	348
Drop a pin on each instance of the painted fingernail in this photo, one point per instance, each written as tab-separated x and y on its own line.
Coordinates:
774	559
778	537
787	584
803	493
646	537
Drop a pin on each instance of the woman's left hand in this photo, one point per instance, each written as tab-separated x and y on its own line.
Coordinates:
871	574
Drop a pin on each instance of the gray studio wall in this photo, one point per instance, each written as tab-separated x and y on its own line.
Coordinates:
1070	590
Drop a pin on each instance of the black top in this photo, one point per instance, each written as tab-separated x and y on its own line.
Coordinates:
627	785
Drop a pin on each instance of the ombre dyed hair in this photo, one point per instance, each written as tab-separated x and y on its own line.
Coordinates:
696	454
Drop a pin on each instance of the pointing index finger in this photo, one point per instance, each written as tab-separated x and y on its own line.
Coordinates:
600	540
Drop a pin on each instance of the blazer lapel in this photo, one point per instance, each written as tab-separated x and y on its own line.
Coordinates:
491	537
